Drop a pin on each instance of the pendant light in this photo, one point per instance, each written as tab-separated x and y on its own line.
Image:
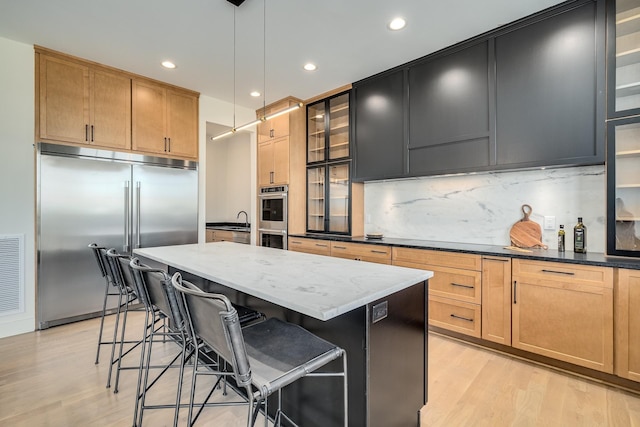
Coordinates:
264	117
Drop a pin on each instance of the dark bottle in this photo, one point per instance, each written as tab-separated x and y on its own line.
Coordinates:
561	239
580	237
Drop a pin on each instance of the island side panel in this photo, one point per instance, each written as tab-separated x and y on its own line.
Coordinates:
398	358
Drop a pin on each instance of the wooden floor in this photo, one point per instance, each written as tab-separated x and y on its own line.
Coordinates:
49	378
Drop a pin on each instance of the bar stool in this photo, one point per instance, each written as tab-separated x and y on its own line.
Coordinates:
265	356
123	281
153	287
109	290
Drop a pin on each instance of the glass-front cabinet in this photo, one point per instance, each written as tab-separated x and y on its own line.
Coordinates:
623	128
624	54
328	165
328	129
328	198
623	174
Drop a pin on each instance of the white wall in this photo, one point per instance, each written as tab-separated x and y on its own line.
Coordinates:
481	208
220	112
17	174
228	178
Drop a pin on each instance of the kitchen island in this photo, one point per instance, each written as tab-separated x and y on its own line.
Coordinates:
377	313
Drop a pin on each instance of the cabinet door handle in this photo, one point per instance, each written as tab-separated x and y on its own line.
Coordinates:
271	177
340	247
379	252
165	144
515	289
568	273
91	133
86	133
169	141
270	133
455	316
462	286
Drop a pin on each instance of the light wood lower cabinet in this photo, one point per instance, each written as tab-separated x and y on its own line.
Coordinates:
362	252
496	299
455	315
455	290
310	246
564	311
627	320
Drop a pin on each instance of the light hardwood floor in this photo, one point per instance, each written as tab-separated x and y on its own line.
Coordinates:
48	378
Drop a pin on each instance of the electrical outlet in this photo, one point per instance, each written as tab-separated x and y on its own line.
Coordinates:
549	222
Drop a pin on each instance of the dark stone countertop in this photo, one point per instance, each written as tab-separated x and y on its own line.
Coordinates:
231	226
552	255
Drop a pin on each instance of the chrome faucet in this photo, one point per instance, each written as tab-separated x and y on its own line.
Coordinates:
246	218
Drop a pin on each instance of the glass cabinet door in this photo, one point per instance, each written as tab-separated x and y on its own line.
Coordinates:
339	198
316	132
315	198
339	127
627	57
624	187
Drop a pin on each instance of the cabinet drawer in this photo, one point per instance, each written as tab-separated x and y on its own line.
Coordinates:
462	285
310	246
361	252
441	258
454	315
560	274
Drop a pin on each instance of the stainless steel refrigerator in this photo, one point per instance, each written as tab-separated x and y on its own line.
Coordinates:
114	199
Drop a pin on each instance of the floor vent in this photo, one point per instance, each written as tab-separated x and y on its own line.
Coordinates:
11	274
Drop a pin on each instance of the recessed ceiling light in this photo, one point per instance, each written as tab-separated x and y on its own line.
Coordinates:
310	67
255	94
397	24
168	64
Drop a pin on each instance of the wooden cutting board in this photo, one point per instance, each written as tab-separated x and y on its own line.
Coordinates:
526	233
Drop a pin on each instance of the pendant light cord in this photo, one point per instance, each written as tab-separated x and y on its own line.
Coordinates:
264	59
234	67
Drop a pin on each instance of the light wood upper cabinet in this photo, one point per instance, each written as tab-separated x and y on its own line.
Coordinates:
164	121
81	104
564	311
84	103
627	321
276	127
182	124
496	299
273	162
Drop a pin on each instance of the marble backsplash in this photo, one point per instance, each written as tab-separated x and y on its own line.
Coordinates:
481	208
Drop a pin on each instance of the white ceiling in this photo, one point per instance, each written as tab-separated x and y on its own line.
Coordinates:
347	39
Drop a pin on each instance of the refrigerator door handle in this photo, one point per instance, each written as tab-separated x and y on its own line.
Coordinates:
138	214
127	225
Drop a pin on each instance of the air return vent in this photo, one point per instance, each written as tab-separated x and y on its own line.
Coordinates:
11	274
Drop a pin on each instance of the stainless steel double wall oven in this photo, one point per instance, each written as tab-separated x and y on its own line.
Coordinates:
272	224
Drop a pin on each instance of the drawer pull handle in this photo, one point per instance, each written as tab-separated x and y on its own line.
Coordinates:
462	286
496	259
340	247
322	246
379	252
293	242
461	318
568	273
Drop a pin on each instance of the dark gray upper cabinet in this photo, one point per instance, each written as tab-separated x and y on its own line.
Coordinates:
546	93
378	127
449	112
529	94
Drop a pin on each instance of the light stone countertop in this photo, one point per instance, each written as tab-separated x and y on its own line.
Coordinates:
318	286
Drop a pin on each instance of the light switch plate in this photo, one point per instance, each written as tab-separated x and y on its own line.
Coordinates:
549	222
